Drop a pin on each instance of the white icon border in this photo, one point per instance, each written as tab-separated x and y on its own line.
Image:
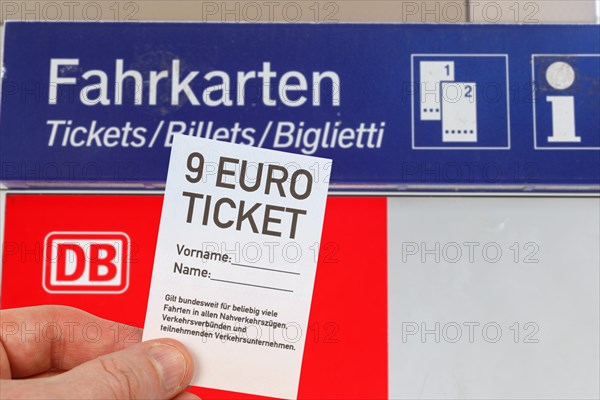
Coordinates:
99	292
412	103
533	101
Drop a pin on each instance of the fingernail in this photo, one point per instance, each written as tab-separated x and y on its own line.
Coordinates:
170	364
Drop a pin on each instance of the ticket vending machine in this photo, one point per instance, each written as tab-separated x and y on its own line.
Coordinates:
460	253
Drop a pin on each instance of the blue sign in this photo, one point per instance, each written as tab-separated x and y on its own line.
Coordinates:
397	107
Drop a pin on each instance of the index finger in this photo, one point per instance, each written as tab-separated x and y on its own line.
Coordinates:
42	338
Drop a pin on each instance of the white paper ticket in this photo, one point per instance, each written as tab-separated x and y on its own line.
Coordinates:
459	112
235	262
432	73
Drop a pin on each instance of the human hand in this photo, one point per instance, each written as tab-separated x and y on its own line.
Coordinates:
58	352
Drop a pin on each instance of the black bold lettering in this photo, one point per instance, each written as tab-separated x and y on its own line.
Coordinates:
278	181
309	181
222	171
218	205
193	196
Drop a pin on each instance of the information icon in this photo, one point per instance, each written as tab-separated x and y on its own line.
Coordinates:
566	101
460	102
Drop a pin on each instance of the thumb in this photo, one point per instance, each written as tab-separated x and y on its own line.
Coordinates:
157	369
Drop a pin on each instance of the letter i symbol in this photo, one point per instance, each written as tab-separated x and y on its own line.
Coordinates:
561	76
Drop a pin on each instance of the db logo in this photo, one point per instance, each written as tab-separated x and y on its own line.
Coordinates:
86	262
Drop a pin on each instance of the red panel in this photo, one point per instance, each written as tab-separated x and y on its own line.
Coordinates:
29	218
346	349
